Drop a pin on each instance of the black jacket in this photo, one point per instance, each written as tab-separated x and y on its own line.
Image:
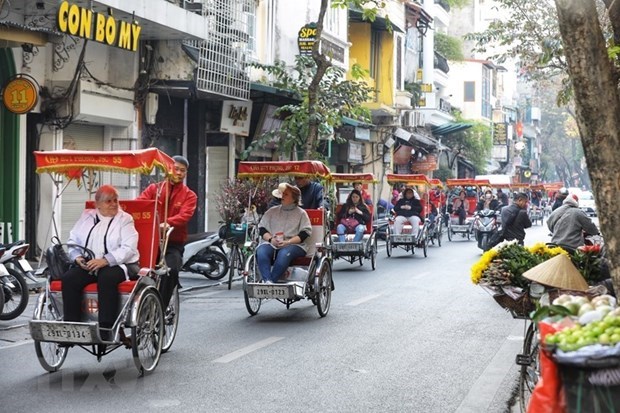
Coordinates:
416	207
514	222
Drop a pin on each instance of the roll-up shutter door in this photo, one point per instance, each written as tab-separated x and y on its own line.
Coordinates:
217	172
84	138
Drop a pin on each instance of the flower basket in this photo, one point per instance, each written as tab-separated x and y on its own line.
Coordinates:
515	300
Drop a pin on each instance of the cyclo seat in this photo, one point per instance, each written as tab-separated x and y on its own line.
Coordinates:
318	236
143	215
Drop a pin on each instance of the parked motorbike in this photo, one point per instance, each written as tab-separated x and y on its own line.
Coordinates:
13	279
204	254
485	225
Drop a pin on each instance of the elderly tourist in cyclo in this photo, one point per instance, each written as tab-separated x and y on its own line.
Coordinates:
285	230
352	217
407	209
109	232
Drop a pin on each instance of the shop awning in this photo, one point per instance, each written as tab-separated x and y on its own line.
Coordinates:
380	23
356	123
450	127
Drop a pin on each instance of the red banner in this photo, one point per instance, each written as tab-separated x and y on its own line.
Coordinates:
73	163
311	169
407	179
359	177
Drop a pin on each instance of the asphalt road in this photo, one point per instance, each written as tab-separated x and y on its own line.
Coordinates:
415	335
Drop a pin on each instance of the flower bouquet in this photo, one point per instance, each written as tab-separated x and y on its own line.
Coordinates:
500	272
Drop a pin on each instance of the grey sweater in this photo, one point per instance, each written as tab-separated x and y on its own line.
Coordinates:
567	225
291	220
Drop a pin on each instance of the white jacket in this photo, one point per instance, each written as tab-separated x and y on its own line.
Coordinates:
121	239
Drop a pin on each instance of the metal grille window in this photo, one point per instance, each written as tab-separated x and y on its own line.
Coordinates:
222	57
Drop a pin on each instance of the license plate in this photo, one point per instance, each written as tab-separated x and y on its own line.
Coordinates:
402	238
270	291
346	246
3	270
66	332
25	265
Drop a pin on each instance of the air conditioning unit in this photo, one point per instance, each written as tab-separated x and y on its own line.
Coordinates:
408	118
419	119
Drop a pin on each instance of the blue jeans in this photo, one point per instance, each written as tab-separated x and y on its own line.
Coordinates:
359	232
266	255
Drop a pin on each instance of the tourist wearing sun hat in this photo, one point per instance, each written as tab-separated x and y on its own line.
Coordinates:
285	231
568	224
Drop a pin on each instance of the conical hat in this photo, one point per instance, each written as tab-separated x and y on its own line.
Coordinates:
558	272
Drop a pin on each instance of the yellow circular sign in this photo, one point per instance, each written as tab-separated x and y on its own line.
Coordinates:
527	174
20	95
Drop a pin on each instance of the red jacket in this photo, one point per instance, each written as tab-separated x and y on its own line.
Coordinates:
181	207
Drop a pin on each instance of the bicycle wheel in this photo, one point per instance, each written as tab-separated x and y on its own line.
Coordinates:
234	257
439	232
530	369
148	334
171	320
15	295
51	355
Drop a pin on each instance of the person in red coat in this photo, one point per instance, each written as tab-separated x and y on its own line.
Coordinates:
181	207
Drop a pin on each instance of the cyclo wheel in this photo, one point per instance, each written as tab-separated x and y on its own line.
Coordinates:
531	372
171	320
323	289
148	334
388	243
449	231
51	356
439	231
16	298
251	304
373	251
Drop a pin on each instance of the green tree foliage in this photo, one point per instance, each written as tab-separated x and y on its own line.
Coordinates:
336	97
449	47
474	144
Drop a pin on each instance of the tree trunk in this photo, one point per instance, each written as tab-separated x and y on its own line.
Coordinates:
322	64
597	105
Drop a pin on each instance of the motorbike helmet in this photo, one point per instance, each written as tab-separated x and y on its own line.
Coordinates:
563	191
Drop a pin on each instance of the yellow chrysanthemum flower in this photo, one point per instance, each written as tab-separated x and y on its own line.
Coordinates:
479	267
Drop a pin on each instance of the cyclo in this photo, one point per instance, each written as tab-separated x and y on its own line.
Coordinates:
467	228
140	306
352	251
308	277
435	231
406	240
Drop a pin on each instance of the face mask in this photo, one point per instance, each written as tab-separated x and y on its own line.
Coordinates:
488	196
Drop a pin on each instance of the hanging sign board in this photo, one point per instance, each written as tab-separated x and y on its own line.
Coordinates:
236	116
20	95
306	38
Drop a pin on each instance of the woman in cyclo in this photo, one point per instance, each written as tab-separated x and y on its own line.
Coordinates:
109	232
353	217
460	206
285	230
407	209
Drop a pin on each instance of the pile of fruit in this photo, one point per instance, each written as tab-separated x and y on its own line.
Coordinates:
598	323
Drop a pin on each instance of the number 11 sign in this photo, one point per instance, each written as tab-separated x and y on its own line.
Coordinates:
20	95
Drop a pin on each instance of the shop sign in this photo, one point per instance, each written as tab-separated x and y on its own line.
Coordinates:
425	164
82	22
306	38
500	133
236	117
355	152
20	95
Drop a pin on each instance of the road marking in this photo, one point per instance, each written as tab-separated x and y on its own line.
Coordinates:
363	300
246	350
421	275
21	343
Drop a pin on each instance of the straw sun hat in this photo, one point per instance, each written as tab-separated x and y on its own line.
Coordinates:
558	272
282	187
